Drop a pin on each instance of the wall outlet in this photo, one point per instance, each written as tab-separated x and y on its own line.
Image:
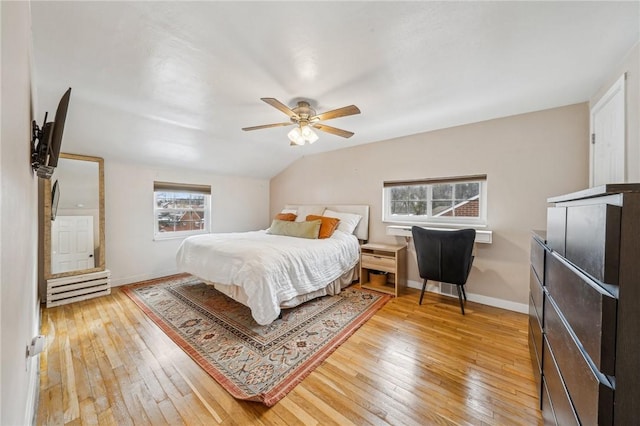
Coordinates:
36	346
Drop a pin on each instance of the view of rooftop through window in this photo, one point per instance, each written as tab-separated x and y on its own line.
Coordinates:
443	201
180	211
447	199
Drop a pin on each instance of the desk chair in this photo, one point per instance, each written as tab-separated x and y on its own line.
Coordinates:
444	256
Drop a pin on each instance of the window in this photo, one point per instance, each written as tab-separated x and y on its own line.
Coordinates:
180	209
456	200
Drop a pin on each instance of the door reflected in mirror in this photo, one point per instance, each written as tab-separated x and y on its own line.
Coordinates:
74	203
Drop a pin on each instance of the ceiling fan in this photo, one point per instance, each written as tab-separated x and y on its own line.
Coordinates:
305	118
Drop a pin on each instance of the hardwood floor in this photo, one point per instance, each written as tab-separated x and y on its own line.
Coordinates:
106	363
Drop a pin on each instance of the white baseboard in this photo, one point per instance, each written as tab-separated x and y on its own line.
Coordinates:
116	282
485	300
33	366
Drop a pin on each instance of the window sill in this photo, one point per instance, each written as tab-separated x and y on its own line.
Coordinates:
436	225
165	237
482	236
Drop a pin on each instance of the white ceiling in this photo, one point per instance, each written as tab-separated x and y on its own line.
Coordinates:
172	83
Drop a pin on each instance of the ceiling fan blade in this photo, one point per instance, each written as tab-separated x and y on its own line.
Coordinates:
279	105
266	126
333	130
340	112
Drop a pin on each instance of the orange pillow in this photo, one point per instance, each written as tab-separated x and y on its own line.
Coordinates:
289	217
328	225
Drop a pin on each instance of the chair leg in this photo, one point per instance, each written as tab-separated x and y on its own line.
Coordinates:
424	285
464	293
460	298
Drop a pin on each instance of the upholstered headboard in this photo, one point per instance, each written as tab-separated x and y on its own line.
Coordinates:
362	230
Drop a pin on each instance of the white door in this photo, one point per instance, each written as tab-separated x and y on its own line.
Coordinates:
72	244
608	137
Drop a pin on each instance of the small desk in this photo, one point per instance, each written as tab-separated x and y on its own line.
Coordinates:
482	236
388	258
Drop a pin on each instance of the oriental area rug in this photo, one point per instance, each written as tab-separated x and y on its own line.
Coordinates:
252	362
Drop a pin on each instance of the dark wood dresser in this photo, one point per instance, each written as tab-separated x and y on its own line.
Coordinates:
584	307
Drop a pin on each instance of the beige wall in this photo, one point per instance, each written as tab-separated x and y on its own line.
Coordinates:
631	66
19	309
238	204
527	158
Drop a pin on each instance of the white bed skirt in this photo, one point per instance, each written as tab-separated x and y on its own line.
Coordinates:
237	293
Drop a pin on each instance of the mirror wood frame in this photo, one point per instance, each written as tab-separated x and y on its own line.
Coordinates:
47	221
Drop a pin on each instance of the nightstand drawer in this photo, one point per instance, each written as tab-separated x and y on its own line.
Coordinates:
381	263
390	258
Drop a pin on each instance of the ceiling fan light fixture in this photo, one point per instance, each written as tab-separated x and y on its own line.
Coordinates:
295	136
302	134
308	134
305	118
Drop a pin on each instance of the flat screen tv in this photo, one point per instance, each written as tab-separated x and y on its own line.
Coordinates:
47	140
55	199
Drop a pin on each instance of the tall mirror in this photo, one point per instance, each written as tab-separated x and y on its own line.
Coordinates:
74	217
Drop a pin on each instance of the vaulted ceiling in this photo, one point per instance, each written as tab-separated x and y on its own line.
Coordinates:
172	83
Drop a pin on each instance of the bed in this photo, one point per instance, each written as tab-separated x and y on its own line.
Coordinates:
268	272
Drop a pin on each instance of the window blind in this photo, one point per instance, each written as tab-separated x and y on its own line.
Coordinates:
430	181
182	187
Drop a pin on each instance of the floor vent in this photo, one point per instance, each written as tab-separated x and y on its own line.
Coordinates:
448	289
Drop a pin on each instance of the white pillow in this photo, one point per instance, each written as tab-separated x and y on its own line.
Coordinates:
304	211
348	221
285	211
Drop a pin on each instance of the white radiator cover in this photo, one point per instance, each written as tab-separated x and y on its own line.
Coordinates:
61	291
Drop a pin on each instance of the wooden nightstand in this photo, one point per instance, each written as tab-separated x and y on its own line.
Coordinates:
388	258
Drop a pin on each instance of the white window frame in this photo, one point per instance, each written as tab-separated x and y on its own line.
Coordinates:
428	219
180	188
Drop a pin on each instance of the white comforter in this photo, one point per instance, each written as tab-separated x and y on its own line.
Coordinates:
270	268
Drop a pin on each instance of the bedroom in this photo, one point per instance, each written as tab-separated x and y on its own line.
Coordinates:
550	158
